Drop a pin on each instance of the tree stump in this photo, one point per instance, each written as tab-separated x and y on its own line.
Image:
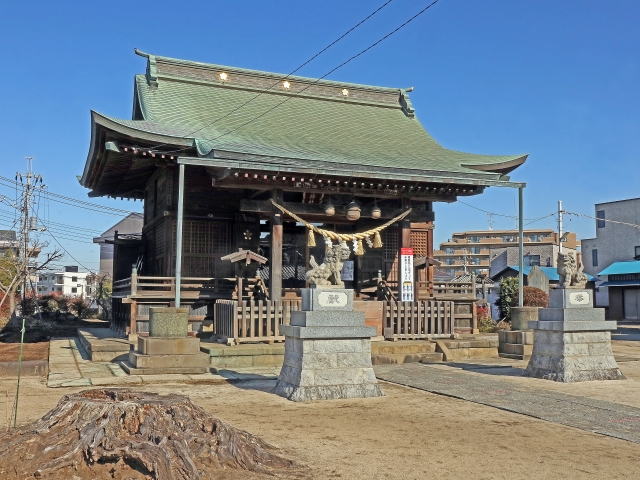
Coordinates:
118	433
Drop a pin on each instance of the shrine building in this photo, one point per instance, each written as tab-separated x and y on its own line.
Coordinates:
343	157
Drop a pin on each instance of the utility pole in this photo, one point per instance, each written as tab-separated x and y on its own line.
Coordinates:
29	182
560	212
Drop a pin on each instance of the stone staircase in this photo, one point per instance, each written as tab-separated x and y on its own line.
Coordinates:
404	352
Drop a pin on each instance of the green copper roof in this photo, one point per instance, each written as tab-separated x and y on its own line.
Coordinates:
371	126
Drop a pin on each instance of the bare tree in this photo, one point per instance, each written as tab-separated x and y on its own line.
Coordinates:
15	270
101	292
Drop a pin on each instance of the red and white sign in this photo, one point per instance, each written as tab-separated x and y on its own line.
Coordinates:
405	281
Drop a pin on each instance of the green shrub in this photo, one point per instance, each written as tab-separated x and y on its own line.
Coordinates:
508	295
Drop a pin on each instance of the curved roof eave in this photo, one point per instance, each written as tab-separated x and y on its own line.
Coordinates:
499	167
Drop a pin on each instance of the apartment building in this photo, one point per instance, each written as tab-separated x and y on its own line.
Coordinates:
614	256
473	251
68	282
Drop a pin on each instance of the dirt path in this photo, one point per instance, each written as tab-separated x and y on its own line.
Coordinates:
408	434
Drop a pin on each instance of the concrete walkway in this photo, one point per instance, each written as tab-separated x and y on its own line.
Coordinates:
598	416
69	366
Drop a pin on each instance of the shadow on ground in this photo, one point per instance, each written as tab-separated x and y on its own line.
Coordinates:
498	370
264	382
626	333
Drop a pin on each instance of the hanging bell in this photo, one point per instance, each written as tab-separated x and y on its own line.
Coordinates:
353	211
329	209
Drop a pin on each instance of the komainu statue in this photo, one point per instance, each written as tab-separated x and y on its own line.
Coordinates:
570	272
328	272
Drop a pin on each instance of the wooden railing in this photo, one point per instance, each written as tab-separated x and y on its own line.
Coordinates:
141	286
252	321
452	288
414	320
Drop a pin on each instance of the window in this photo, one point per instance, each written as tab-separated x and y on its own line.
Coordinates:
451	271
600	222
74	279
74	290
59	279
637	253
450	261
474	261
474	239
535	238
450	251
509	239
475	250
531	260
594	257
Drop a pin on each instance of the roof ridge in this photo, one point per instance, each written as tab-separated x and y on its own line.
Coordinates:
264	73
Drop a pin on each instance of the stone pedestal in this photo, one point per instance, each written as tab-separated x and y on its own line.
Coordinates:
572	340
521	316
167	349
327	350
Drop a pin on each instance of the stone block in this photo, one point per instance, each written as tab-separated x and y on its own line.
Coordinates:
571	315
331	392
520	317
327	332
232	361
342	346
570	298
317	360
327	299
327	319
168	346
522	349
267	360
357	360
138	360
168	322
574	326
524	337
339	376
586	337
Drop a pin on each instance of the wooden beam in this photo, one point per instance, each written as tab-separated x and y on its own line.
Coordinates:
386	192
275	256
315	210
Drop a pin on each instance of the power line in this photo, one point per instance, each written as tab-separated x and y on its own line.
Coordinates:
58	198
58	226
322	77
603	219
67	252
234	110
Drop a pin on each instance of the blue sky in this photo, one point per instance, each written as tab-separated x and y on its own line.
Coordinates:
556	79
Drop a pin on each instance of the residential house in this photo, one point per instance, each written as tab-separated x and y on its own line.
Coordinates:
612	255
129	227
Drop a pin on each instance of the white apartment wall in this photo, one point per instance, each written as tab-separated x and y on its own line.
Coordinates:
50	283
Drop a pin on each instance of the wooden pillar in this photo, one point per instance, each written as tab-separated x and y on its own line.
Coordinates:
275	260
